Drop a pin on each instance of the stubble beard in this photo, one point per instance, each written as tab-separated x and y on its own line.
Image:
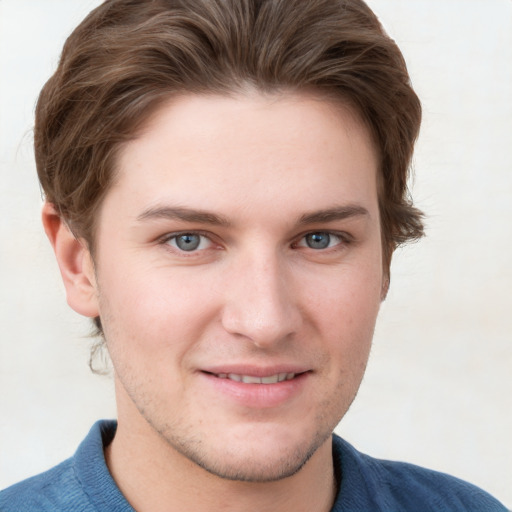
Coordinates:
250	469
225	462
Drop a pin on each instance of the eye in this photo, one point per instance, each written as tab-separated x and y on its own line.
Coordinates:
189	242
319	240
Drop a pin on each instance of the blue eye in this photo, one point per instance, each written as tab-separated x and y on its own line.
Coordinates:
189	242
319	240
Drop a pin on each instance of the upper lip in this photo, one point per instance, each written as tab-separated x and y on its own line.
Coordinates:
255	370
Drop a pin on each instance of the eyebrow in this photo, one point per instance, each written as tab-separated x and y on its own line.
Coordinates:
205	217
184	214
333	214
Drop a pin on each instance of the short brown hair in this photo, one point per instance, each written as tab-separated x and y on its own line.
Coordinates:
128	56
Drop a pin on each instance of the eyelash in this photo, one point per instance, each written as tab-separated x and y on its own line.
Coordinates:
344	240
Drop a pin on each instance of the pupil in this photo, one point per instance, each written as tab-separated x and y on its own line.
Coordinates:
318	240
188	242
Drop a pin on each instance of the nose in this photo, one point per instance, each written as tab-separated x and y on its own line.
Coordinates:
260	304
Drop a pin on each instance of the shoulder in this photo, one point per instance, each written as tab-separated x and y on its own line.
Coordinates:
397	486
55	489
79	484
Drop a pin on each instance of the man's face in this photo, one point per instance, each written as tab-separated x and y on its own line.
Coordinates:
238	278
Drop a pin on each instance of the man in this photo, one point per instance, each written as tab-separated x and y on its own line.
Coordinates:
225	185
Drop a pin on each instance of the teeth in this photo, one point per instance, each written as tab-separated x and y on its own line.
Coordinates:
247	379
273	379
250	379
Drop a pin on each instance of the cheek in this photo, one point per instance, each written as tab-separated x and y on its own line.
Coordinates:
348	306
352	291
153	310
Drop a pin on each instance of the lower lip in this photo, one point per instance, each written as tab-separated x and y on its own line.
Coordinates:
260	396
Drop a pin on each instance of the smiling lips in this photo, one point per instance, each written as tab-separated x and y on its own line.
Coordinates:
251	379
258	388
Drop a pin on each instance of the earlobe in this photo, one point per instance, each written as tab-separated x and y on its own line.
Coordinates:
75	263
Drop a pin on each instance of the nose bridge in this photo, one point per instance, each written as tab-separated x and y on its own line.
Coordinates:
259	301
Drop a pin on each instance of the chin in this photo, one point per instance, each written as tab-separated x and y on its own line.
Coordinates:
269	459
257	471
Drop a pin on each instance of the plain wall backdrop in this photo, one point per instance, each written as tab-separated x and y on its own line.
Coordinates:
438	389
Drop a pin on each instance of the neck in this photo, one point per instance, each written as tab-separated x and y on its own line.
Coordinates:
154	477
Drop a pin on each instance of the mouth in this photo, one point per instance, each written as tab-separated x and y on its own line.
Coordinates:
257	387
253	379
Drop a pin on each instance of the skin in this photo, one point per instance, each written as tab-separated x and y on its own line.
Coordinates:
263	183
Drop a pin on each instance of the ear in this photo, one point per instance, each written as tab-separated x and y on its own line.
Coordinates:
75	263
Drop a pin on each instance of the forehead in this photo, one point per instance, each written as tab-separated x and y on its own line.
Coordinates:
223	151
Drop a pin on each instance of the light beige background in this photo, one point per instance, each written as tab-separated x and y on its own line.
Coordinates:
438	391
